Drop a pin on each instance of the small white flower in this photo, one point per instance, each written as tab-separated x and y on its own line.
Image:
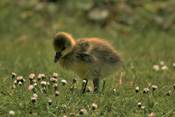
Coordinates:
11	112
43	83
63	106
34	80
83	111
139	104
156	67
55	75
53	80
164	67
114	90
174	65
55	85
15	82
57	93
13	75
50	101
146	90
94	106
42	76
14	87
35	95
170	93
154	87
31	76
90	89
20	83
39	76
19	78
34	99
35	84
137	89
162	63
30	87
64	82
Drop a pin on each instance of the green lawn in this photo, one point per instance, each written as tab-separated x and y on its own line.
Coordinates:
26	47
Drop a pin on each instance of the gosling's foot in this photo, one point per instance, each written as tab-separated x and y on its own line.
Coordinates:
84	84
96	85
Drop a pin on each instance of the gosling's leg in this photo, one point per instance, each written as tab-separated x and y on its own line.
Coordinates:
96	84
84	86
104	83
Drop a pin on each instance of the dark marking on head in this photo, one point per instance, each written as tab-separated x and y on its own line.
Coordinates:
60	40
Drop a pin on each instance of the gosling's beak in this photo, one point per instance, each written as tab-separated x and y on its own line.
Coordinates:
57	57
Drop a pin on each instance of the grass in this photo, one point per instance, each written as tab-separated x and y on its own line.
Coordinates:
26	47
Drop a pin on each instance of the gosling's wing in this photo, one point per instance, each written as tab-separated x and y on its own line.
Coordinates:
85	57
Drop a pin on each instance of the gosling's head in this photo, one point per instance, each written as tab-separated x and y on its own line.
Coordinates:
63	44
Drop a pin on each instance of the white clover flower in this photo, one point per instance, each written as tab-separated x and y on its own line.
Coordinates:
164	68
156	67
11	112
64	82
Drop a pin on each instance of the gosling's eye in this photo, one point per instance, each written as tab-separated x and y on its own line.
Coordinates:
64	48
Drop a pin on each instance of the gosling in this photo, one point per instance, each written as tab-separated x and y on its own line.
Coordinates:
89	58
